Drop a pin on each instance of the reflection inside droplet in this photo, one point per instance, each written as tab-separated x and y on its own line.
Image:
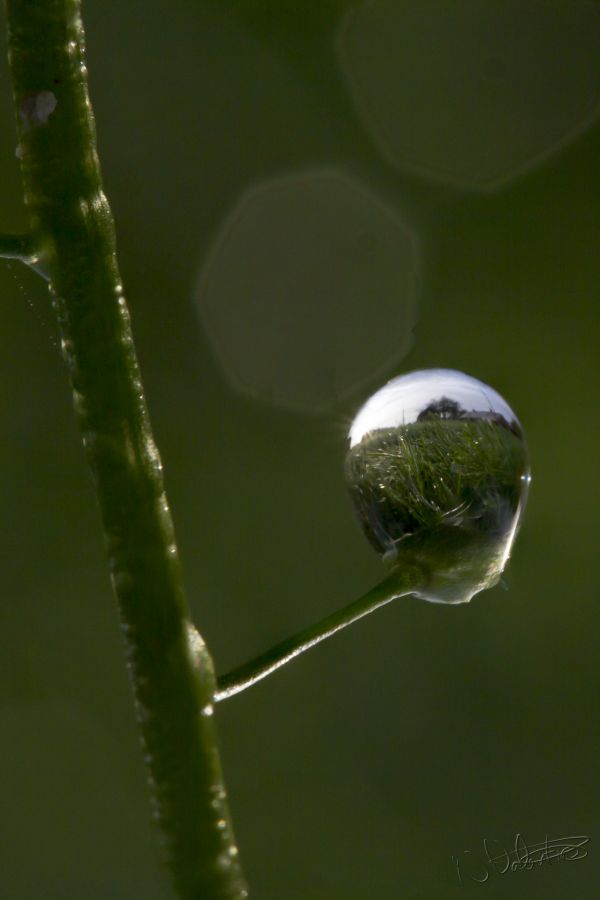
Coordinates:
438	473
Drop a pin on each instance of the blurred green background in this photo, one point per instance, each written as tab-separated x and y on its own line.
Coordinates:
311	198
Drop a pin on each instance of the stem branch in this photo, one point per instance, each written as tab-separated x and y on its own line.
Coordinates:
398	584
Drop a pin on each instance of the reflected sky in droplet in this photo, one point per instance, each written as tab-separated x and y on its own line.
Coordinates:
472	93
403	399
309	291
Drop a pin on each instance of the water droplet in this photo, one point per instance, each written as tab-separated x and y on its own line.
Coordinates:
218	796
438	472
224	861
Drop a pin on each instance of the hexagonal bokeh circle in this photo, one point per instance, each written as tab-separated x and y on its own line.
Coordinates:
309	290
472	92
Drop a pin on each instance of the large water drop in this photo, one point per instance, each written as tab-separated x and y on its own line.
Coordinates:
437	470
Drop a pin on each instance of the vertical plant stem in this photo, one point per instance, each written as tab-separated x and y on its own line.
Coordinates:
73	231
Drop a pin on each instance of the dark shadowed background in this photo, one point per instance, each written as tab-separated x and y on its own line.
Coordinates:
311	198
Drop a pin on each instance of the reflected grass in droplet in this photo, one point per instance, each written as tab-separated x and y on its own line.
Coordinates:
444	491
435	473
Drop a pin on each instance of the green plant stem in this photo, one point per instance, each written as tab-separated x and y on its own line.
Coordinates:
72	226
398	584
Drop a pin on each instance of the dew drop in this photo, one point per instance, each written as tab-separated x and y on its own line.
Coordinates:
437	470
218	797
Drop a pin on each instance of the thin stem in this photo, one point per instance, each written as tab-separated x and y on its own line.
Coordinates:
398	584
74	230
16	246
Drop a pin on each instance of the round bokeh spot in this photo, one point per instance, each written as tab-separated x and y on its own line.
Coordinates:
472	93
309	290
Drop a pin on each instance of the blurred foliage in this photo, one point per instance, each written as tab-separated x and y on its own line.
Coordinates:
360	770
